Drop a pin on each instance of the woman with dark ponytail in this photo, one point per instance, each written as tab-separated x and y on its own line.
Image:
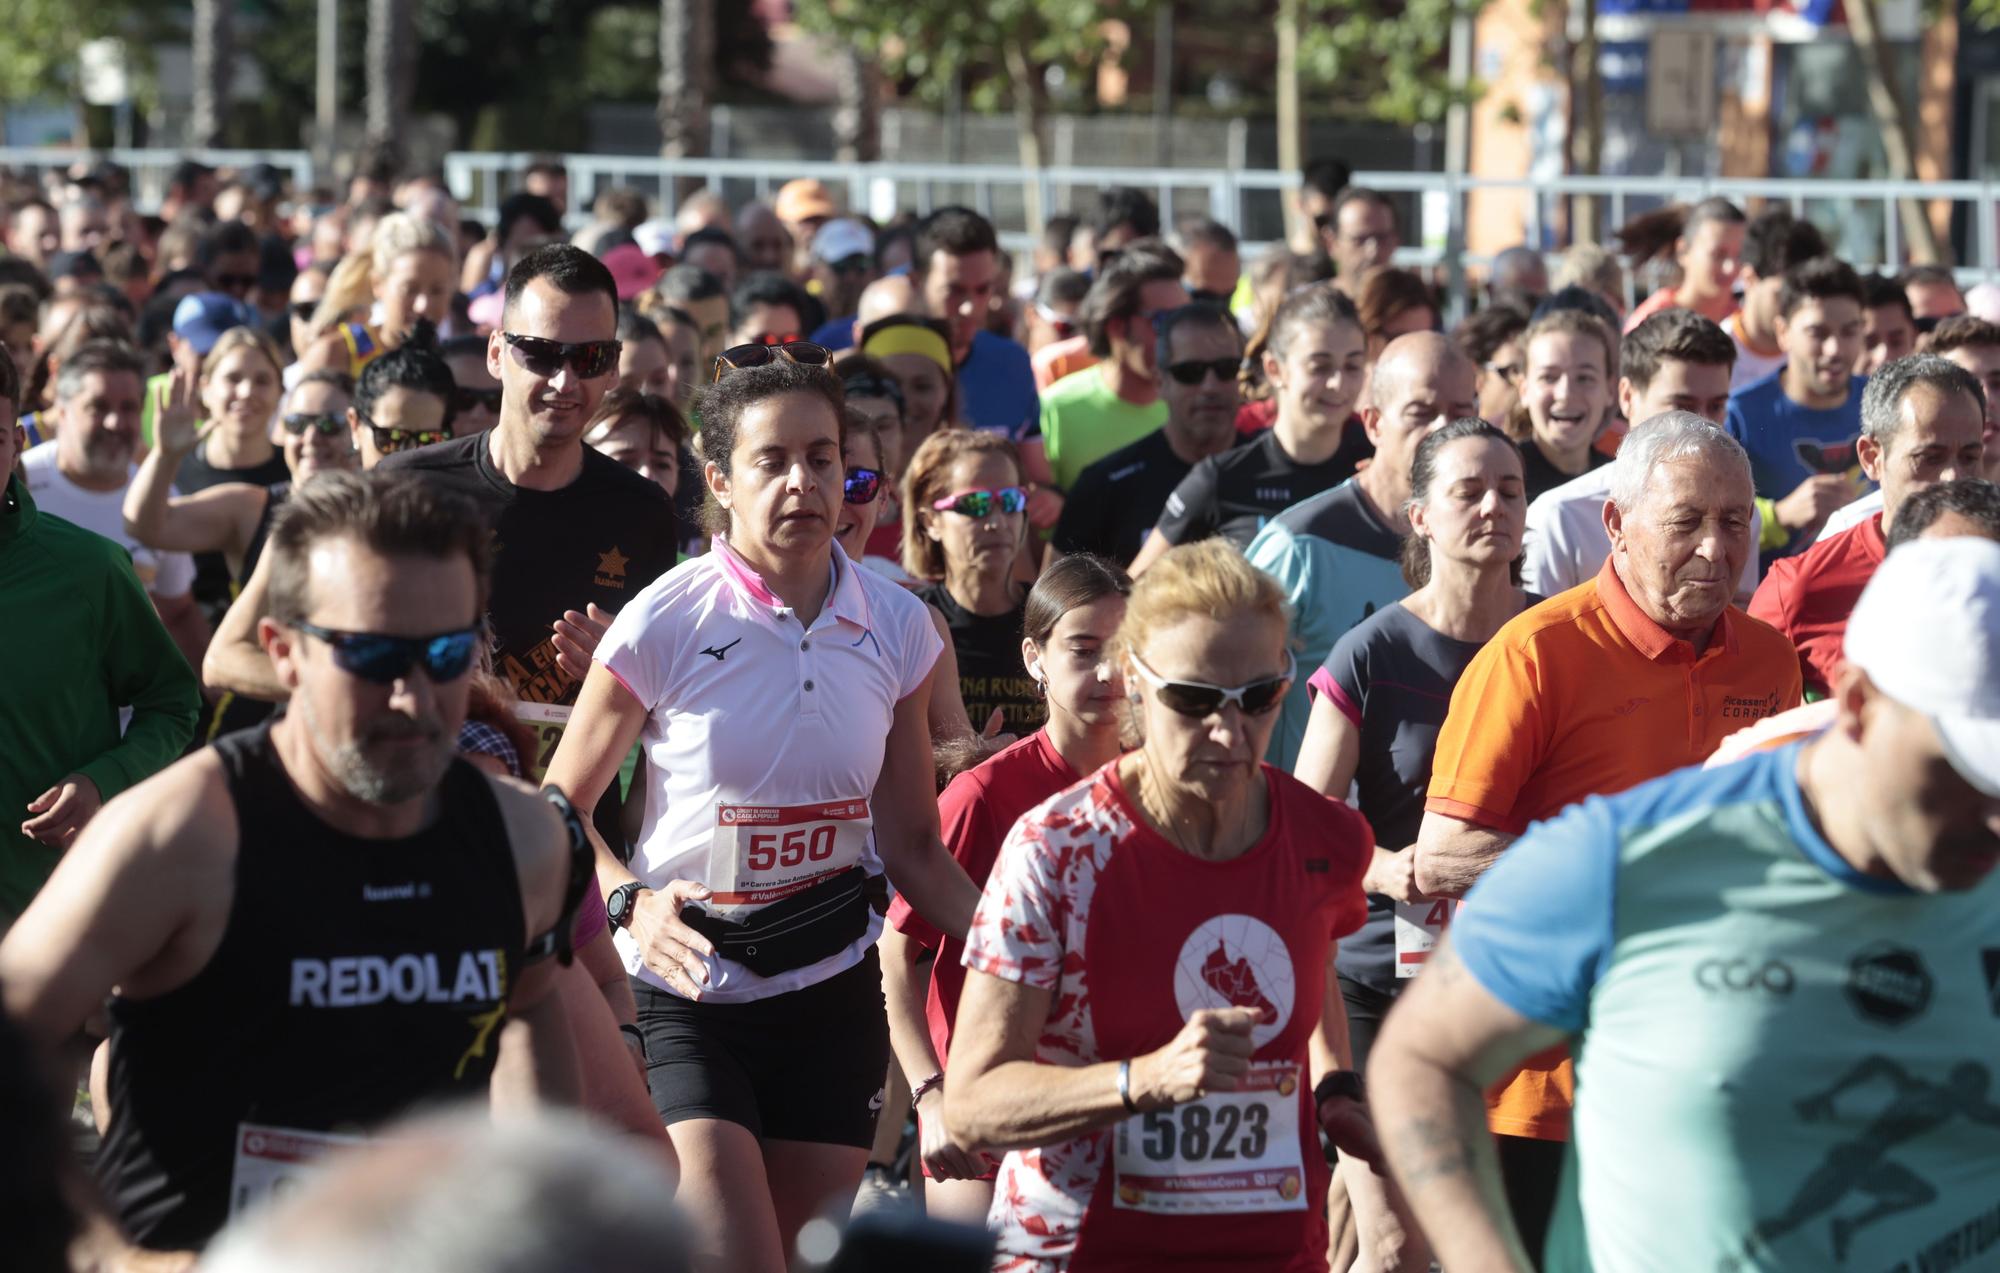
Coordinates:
1706	246
1379	702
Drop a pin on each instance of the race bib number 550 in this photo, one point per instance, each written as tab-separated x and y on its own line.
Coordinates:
762	854
1227	1153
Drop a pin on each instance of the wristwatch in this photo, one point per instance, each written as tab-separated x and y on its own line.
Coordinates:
618	906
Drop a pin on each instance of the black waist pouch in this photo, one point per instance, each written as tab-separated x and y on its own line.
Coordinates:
800	930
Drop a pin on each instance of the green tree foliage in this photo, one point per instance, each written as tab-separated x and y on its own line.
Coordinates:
928	44
39	40
1384	58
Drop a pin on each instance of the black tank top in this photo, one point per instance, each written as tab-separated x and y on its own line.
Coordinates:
355	978
231	712
213	584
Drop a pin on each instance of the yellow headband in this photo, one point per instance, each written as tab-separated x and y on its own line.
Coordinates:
910	339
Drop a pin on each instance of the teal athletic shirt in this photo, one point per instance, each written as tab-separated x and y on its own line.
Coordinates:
1338	564
1781	1063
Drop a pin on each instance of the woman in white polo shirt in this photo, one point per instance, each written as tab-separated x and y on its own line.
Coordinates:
780	694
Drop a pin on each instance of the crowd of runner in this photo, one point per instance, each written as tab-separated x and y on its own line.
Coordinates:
1110	756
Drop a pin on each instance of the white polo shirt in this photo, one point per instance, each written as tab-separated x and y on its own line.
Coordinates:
1566	542
748	708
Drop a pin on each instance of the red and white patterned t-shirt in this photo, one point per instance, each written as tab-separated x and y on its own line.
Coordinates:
1132	935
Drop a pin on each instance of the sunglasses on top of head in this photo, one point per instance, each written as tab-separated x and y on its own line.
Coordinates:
742	357
588	360
1201	700
983	503
382	660
861	486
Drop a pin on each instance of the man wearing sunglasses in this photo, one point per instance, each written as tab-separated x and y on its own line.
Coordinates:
311	926
1115	502
579	533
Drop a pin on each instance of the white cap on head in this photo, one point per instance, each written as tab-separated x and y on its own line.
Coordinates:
655	237
1927	632
841	238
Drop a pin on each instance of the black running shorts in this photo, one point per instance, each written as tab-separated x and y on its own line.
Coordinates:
805	1066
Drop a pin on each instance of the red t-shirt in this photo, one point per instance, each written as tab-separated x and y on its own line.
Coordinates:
1130	936
976	812
1808	597
1252	418
1665	299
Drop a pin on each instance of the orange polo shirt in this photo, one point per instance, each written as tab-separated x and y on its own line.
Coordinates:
1585	695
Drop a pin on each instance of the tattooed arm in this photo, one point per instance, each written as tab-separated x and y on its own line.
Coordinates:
1447	1040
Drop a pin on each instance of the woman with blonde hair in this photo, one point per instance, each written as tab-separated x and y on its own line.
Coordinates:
407	274
1145	1031
965	520
235	395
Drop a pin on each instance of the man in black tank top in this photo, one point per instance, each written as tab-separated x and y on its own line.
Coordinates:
318	923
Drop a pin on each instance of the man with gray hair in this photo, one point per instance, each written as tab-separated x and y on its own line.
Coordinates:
1639	672
1921	423
1518	276
461	1193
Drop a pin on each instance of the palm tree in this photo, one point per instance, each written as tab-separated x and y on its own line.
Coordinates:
687	75
214	57
391	67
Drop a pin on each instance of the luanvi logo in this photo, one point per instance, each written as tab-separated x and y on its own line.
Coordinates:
718	652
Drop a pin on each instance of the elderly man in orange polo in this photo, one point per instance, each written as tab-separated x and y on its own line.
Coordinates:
1639	672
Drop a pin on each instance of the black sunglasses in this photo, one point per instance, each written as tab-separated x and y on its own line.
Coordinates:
861	486
328	425
738	357
463	400
588	360
1195	371
383	660
304	310
1202	700
234	283
389	441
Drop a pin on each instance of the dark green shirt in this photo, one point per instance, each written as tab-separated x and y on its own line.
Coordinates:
83	643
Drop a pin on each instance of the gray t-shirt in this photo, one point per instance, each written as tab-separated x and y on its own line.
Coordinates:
1392	674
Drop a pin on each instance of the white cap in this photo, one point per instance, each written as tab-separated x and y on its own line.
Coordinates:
655	237
1927	632
841	238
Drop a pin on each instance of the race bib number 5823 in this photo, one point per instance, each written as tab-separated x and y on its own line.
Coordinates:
1229	1152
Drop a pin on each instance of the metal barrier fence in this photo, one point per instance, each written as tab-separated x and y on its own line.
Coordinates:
1860	216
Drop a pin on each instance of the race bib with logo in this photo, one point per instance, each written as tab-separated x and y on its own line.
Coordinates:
547	720
1419	925
762	854
273	1161
1228	1153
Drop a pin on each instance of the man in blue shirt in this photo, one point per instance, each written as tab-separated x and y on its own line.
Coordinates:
1779	976
953	273
1801	423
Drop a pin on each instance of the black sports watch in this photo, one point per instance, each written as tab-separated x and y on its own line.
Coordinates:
618	906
